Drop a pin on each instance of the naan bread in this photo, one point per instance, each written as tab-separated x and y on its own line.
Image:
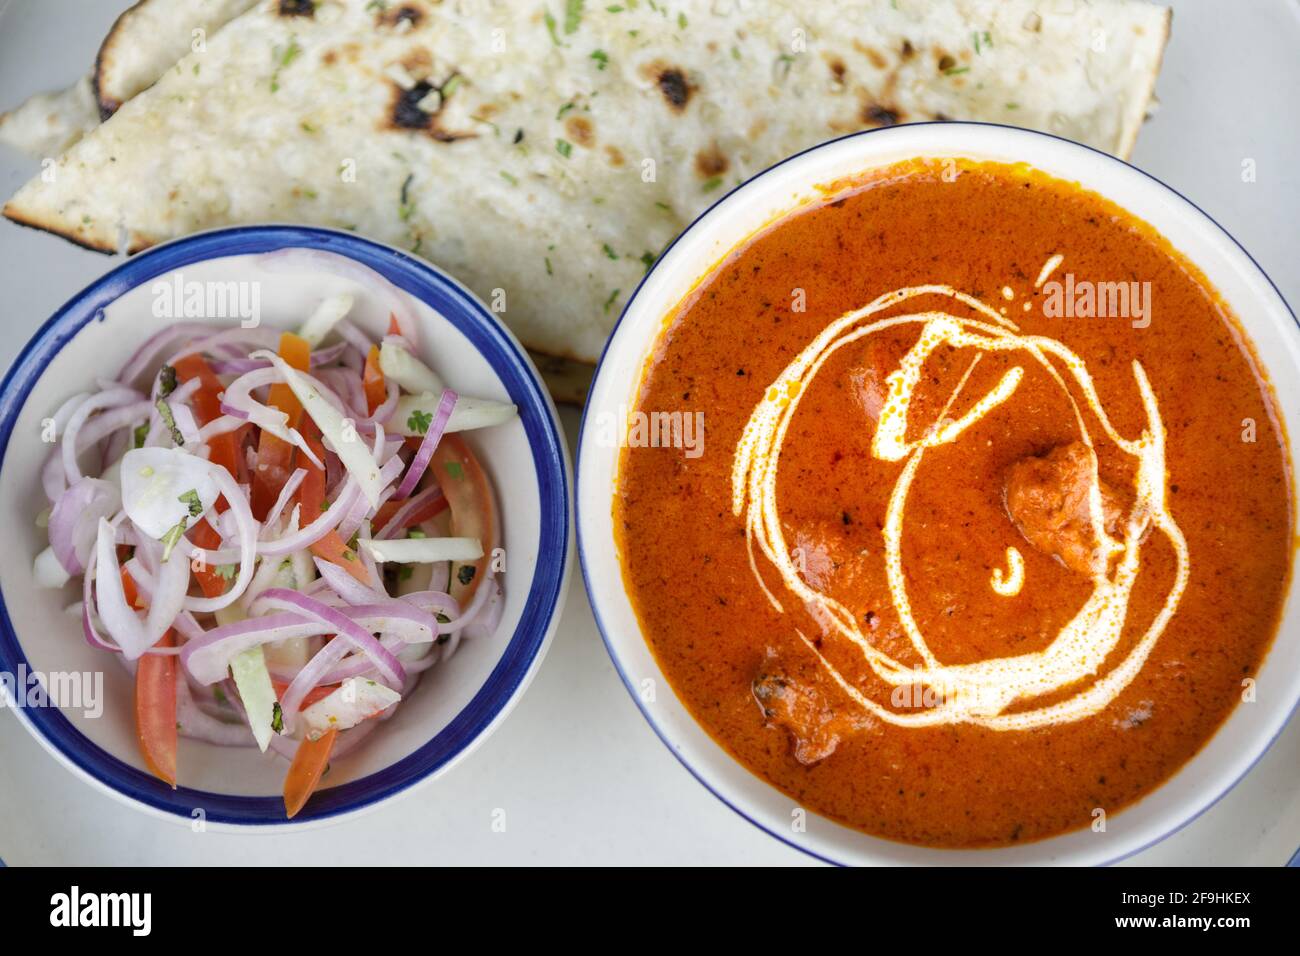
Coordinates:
545	154
150	37
144	41
48	123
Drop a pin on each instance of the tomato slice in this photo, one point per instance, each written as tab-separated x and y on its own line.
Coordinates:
210	580
309	764
223	450
373	381
311	497
155	711
274	454
427	512
473	513
313	695
131	592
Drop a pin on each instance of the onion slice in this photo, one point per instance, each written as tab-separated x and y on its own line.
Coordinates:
423	550
246	529
470	413
399	365
355	701
432	435
354	454
74	520
284	599
119	618
328	314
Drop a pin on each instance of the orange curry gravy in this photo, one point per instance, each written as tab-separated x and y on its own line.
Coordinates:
763	681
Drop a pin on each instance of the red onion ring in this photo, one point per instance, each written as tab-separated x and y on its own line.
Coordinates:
246	528
389	667
74	521
208	657
146	354
108	399
430	443
397	523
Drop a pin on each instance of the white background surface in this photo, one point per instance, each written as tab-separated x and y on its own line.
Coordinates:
579	774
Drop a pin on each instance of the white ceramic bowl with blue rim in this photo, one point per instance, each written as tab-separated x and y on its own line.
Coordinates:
457	703
1247	733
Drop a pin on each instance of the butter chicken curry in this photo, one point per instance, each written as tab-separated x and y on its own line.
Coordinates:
992	520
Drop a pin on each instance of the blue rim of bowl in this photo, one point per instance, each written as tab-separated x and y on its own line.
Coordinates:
465	313
582	554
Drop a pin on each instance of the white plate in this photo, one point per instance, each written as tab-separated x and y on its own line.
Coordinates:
575	772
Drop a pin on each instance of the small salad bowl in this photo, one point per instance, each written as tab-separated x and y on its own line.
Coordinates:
78	701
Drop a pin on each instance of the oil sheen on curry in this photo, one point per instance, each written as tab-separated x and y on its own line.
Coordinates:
989	525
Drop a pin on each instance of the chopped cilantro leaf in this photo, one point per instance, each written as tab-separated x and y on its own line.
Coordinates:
170	422
572	15
166	380
406	207
173	537
550	28
419	421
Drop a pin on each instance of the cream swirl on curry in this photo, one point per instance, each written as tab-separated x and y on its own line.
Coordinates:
980	692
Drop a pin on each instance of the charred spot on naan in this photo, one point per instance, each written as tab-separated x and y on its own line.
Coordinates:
876	57
874	114
838	70
672	83
580	130
395	17
419	63
297	8
407	112
711	162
